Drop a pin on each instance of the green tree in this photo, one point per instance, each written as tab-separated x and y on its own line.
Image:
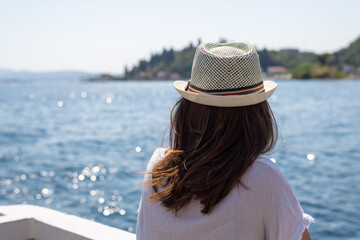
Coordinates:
349	55
302	71
326	59
266	60
142	65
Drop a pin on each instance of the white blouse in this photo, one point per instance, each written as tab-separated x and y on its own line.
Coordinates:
268	209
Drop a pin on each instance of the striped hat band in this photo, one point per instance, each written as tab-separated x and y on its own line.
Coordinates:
256	88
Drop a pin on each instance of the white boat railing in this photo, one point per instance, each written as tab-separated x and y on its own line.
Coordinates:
39	223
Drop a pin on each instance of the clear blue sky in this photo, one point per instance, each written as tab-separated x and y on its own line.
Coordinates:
103	36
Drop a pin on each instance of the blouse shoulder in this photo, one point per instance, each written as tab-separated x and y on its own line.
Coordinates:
158	154
267	164
283	216
267	171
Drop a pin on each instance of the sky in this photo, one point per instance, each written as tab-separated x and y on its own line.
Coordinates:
106	35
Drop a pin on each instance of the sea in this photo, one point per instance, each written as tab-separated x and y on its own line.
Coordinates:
81	147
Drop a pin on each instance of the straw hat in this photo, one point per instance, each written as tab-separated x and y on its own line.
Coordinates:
226	75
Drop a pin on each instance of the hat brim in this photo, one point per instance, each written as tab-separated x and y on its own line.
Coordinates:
226	101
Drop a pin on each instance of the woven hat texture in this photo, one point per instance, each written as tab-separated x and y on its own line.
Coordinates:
226	75
225	67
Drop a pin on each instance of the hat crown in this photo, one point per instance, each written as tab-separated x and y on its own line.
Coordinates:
225	67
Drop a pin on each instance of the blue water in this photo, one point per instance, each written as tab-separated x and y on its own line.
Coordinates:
79	147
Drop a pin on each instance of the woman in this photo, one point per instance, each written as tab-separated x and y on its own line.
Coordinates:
212	183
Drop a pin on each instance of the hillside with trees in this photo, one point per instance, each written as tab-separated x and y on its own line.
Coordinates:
173	64
349	55
169	64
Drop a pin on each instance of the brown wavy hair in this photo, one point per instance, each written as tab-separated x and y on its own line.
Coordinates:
210	150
